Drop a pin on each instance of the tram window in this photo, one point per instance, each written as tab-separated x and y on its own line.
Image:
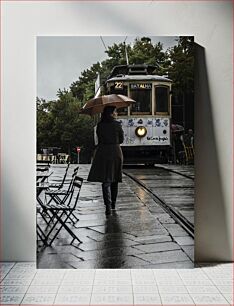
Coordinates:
122	111
162	99
143	101
120	90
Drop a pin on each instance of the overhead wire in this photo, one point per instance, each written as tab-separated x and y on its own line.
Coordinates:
126	52
103	43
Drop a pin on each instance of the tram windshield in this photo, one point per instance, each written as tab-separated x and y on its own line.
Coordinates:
162	99
143	101
120	89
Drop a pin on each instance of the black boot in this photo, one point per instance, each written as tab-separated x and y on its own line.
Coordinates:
108	210
106	190
114	192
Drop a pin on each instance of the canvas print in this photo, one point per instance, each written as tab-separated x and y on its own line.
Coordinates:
115	152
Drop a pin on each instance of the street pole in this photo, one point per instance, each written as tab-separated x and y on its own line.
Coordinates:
78	154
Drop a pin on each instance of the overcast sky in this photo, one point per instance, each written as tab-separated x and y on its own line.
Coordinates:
60	60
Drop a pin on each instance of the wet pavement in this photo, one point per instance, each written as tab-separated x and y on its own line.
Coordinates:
140	234
186	170
173	184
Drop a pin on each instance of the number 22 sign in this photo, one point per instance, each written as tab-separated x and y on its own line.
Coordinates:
118	85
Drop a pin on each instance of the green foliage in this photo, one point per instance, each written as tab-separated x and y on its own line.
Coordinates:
60	125
181	70
142	52
83	89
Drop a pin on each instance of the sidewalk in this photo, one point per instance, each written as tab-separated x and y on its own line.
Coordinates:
139	235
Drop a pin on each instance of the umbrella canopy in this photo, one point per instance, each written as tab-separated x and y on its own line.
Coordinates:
96	105
176	128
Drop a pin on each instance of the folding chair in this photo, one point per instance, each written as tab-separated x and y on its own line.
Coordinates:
60	196
59	191
60	184
42	177
53	159
54	195
41	235
61	214
42	185
62	158
68	179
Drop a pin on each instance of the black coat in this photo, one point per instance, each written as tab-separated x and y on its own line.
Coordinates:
108	159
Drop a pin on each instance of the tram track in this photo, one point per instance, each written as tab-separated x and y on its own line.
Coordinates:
174	213
174	171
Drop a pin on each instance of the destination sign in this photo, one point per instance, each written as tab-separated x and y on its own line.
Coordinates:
140	86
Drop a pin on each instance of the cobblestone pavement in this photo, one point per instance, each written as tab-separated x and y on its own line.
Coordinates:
132	237
186	170
173	184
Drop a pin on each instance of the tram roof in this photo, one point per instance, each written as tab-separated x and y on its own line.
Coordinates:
139	78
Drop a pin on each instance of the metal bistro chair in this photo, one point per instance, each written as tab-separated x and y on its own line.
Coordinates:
62	158
59	185
61	213
68	179
55	194
43	175
52	159
60	196
42	185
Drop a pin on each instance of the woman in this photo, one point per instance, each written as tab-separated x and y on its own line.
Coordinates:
108	160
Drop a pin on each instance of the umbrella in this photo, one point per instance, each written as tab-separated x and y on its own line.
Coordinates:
176	128
96	105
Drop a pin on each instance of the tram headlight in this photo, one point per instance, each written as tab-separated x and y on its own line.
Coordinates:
141	131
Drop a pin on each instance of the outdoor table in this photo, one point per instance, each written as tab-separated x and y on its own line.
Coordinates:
43	176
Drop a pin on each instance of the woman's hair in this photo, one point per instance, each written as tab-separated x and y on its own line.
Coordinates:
107	112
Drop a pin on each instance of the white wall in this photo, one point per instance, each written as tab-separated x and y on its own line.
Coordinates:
211	24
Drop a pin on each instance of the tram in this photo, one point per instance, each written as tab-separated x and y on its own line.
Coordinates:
146	123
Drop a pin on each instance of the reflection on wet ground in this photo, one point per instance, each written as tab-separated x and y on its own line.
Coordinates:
139	234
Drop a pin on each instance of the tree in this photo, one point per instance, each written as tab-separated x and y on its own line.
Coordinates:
44	123
144	52
83	88
60	125
181	71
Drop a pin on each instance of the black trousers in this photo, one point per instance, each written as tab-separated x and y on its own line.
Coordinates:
110	192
